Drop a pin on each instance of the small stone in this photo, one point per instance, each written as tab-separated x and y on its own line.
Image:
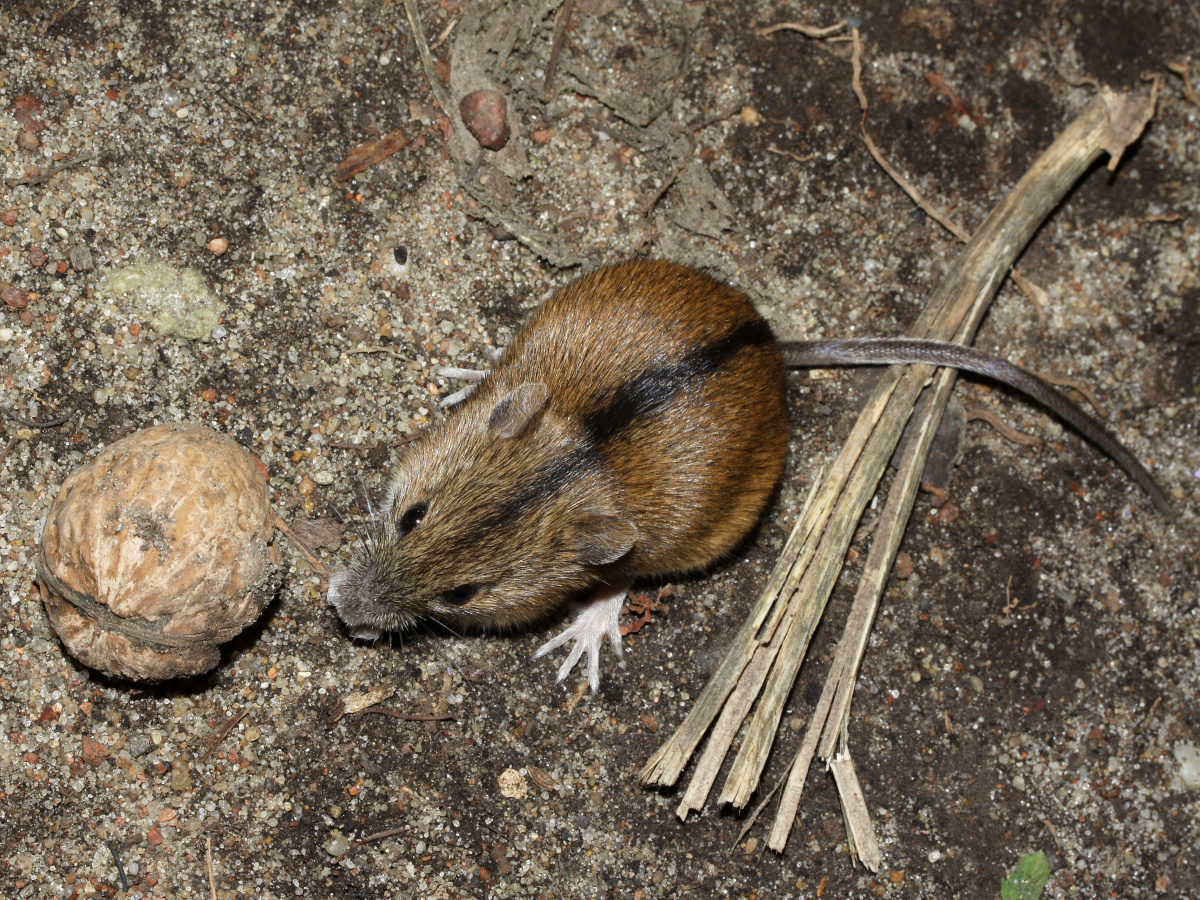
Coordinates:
485	113
181	778
323	478
37	257
27	140
9	217
217	246
749	115
14	297
337	845
512	784
93	752
138	745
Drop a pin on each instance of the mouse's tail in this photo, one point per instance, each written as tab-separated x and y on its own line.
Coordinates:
887	351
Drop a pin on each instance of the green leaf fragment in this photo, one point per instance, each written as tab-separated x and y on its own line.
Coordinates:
1028	880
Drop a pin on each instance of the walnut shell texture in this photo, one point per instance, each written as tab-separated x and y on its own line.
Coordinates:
157	552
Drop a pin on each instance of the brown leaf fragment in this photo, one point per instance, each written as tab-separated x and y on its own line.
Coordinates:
27	111
364	156
542	778
319	533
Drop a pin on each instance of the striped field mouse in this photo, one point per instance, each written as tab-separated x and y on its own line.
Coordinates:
634	428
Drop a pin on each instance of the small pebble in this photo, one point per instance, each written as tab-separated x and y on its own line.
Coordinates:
27	140
337	845
9	217
513	784
37	257
80	258
14	297
217	246
323	478
485	113
138	745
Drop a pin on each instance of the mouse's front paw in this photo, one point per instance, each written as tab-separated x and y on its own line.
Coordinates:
594	621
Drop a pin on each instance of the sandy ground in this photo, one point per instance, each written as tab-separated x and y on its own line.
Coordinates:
982	729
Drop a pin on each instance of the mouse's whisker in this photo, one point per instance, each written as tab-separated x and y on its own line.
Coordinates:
446	627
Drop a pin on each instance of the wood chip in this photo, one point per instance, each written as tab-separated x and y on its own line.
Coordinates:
364	156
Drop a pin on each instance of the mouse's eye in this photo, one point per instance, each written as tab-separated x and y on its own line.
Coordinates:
412	518
461	594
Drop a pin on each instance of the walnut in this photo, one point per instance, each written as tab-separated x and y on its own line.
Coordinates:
157	552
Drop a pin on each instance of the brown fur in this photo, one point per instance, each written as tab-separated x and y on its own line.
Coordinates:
552	511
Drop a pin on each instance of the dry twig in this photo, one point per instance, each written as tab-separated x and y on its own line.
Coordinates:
1183	70
561	23
768	650
377	836
807	30
435	84
49	423
407	717
364	156
212	880
46	174
319	567
220	734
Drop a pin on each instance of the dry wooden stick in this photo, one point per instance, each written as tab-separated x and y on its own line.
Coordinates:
974	279
561	23
377	836
811	31
435	84
319	567
1108	124
212	881
219	735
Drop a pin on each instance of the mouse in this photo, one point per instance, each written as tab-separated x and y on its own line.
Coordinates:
634	429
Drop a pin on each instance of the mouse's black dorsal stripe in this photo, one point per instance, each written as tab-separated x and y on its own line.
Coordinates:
653	389
509	510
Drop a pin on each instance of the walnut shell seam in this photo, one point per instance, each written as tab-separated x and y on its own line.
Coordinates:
144	631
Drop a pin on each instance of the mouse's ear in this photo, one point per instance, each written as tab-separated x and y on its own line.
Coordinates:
515	410
601	539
